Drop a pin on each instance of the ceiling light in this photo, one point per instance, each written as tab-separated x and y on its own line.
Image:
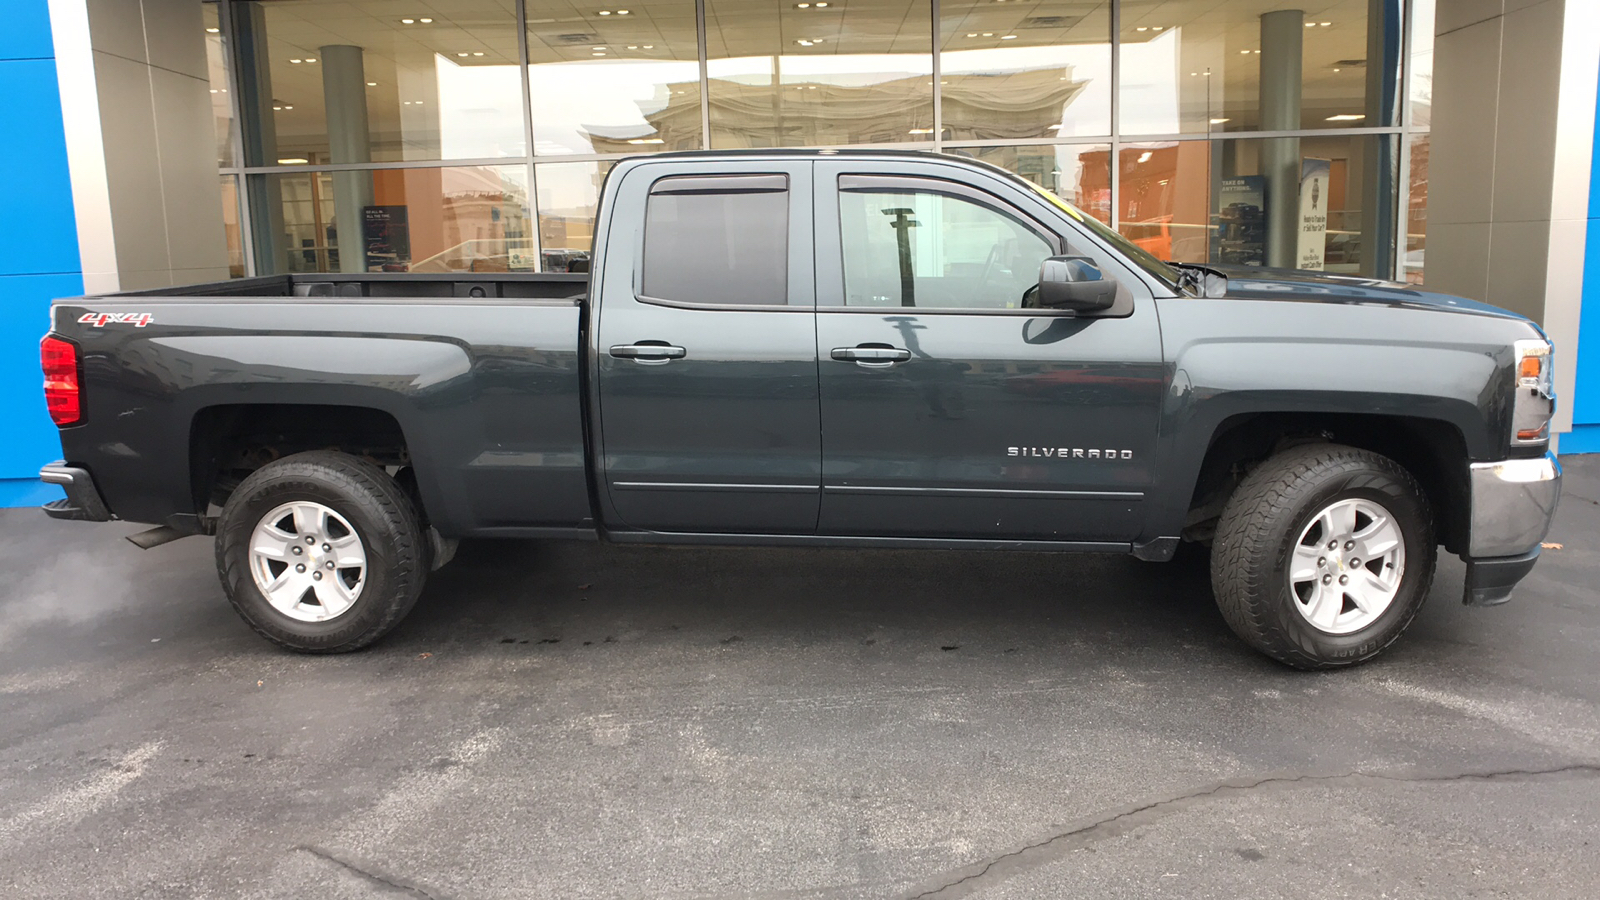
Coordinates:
1347	117
802	6
1256	52
633	46
1324	24
1220	121
288	107
1311	24
212	30
1142	28
811	87
972	34
622	12
598	53
1158	28
1145	156
461	54
293	161
929	130
596	48
804	43
1164	181
646	141
426	21
605	12
477	53
213	90
1336	70
649	46
277	107
1008	37
372	84
311	59
988	34
297	61
1245	52
408	21
822	5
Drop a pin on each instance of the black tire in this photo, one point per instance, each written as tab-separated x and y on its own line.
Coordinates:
1261	525
382	516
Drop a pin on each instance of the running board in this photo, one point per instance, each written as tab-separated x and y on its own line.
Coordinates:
155	537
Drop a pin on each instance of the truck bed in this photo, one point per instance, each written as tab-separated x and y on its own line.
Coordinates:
473	382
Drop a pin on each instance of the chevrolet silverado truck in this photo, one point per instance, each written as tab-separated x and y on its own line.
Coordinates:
838	349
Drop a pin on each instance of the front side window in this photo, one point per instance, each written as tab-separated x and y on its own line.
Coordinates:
720	241
935	251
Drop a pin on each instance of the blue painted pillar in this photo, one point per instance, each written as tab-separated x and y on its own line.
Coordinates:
1585	434
38	245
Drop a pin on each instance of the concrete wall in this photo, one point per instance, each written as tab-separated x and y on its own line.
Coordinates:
38	245
1513	125
137	96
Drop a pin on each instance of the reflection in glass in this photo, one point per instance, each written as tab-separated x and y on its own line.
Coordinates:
1421	68
461	219
1200	201
437	82
839	73
1191	66
568	195
1079	174
1416	233
614	83
217	74
1012	70
230	226
1163	198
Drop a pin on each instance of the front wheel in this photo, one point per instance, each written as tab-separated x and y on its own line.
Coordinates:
1323	556
321	552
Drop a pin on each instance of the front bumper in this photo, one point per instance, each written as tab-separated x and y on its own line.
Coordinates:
83	502
1513	503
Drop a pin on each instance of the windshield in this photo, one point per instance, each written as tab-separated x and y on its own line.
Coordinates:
1139	255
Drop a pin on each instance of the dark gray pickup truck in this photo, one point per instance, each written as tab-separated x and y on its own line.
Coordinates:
821	348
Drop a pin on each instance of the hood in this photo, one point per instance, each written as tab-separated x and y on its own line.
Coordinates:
1254	283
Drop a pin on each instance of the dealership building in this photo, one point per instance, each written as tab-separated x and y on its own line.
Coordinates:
1448	143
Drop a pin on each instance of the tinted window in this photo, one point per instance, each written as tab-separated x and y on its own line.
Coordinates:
935	251
702	245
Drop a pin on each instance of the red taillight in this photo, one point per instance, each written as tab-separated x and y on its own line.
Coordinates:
61	387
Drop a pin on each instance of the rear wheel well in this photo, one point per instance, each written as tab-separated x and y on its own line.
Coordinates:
227	443
1433	451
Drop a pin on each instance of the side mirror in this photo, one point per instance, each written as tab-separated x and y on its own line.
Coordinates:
1075	283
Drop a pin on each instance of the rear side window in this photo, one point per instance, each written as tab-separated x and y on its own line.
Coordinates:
718	239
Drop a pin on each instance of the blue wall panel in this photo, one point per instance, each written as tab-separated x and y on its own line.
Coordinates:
1585	436
38	244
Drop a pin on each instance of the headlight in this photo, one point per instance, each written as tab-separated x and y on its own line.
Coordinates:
1535	399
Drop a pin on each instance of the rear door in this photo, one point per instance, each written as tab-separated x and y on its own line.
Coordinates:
706	350
950	410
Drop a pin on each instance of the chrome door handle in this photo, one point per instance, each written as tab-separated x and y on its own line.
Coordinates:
871	354
648	350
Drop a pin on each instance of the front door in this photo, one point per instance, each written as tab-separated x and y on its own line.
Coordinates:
706	349
950	410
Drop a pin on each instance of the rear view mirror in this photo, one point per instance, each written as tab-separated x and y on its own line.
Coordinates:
1075	283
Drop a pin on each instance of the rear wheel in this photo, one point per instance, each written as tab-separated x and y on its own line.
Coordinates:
1323	556
321	552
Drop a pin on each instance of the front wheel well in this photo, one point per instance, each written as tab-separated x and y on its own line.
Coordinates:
1433	451
227	443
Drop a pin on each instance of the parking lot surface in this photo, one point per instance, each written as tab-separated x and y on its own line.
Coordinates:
584	720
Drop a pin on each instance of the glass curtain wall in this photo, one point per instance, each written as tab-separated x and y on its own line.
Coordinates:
474	135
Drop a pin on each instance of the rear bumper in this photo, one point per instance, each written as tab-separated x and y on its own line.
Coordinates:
1513	503
83	502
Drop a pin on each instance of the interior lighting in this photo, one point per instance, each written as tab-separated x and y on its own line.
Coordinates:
1142	28
293	161
297	61
646	141
920	131
213	30
408	21
1220	121
425	21
372	84
1008	37
1145	156
1347	117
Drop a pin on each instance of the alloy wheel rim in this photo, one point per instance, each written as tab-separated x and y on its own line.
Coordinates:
1346	567
308	561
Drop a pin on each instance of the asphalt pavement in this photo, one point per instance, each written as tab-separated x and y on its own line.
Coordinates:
590	721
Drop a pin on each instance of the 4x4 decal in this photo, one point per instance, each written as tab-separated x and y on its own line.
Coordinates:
101	320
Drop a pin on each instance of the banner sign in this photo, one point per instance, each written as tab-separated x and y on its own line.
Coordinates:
386	232
1313	213
1240	237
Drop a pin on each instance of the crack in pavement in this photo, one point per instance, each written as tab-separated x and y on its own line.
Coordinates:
1007	864
388	881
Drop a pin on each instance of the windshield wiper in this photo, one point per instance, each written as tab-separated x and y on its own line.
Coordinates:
1204	281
